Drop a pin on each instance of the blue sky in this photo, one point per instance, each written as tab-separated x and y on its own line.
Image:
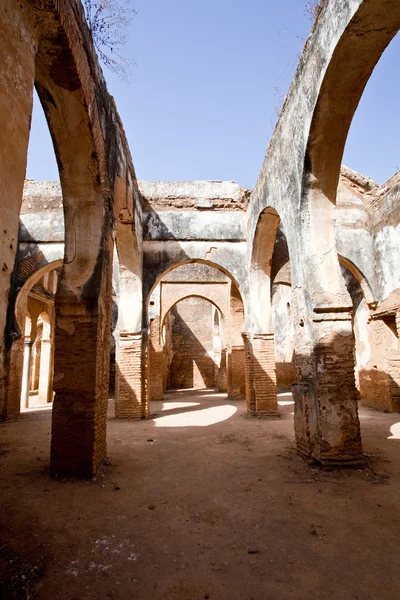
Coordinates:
209	78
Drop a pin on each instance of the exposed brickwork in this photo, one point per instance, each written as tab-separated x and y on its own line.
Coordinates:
264	374
249	374
336	398
192	344
14	380
193	195
261	392
81	395
236	378
158	363
128	383
173	292
236	356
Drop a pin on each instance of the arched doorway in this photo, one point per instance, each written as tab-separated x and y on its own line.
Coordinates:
196	287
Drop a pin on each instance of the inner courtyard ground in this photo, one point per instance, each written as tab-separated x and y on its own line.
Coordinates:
200	502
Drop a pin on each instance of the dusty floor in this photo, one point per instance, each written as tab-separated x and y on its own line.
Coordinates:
200	502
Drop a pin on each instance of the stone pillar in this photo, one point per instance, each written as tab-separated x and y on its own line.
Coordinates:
26	373
45	371
326	402
261	392
129	394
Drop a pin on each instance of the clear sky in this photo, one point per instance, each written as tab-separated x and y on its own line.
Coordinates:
209	79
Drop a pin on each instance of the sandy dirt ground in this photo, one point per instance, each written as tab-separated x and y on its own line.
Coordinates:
200	502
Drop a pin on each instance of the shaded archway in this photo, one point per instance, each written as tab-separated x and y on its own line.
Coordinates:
36	296
261	392
50	47
153	280
197	279
359	290
194	362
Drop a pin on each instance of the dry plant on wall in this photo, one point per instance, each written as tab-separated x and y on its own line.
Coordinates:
108	22
312	9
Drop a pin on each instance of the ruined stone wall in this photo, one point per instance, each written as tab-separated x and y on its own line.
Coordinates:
194	220
216	293
385	227
192	345
354	238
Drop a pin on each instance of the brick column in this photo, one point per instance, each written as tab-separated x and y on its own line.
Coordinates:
155	373
326	401
261	392
14	381
223	371
237	384
82	357
249	374
129	396
264	374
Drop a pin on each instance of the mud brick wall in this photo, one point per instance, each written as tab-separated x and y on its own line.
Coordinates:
375	374
128	382
192	344
13	391
236	380
158	362
236	316
336	394
264	374
249	374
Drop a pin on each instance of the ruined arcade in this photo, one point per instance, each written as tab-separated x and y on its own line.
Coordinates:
197	379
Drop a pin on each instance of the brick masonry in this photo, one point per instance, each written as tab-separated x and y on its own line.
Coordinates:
236	370
335	406
249	374
264	374
14	380
128	373
192	345
261	391
81	395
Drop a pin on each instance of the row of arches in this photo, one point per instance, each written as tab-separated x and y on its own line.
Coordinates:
50	49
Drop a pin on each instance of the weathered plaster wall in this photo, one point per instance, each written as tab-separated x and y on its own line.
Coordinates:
282	326
385	226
